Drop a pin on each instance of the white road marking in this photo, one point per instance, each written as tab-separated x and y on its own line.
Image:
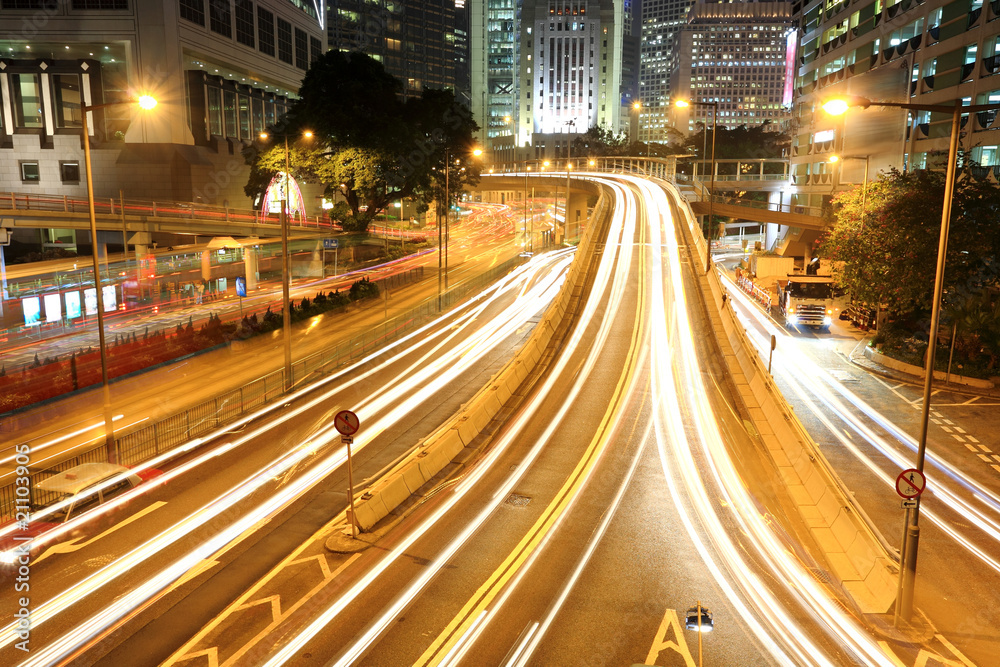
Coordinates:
70	546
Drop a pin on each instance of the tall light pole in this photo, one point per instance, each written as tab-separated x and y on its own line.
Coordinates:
145	102
911	539
286	310
711	190
447	208
864	187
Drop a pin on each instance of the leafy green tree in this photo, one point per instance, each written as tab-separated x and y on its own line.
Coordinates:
599	140
369	144
890	255
742	142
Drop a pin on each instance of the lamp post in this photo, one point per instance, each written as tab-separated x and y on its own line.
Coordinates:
864	187
145	102
447	208
711	189
911	538
286	310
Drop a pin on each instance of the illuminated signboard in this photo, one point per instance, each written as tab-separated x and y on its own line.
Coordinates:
110	302
790	40
73	305
53	308
32	307
275	194
90	300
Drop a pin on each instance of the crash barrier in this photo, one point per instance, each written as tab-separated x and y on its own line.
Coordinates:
439	449
859	556
753	290
142	444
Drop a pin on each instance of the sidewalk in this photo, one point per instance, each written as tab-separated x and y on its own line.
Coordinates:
855	353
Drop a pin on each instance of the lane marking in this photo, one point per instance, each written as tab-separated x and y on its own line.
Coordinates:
70	545
677	644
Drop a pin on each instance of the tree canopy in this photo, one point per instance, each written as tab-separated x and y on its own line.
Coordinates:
740	143
369	145
890	255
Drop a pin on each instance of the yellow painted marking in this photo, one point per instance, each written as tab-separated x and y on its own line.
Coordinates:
202	566
971	439
891	654
984	457
983	447
473	609
945	428
70	546
959	429
971	448
955	651
186	652
995	467
671	625
996	457
958	437
211	653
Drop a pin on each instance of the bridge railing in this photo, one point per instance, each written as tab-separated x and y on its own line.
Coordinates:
16	201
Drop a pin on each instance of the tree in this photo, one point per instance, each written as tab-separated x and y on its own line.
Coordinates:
369	145
890	256
742	142
599	140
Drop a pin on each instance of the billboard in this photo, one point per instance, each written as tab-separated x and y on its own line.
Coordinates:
73	305
53	308
32	308
790	42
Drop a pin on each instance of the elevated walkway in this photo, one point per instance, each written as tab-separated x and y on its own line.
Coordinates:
39	211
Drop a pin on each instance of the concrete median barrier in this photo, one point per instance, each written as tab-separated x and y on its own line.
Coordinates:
856	553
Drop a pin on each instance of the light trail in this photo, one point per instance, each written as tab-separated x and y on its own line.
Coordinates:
818	390
515	315
516	426
677	381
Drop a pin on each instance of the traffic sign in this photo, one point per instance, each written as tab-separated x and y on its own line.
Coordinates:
346	422
241	286
910	483
330	244
909	503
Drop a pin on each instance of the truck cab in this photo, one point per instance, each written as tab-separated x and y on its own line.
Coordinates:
808	300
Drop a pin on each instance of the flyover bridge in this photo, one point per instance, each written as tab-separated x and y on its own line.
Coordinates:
40	211
731	178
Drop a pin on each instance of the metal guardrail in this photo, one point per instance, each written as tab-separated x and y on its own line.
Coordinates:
142	444
16	201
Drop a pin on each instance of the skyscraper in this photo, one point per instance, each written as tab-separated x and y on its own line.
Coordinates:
544	71
414	40
661	23
930	52
739	55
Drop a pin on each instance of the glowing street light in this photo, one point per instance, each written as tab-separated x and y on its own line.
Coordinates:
684	104
911	538
145	102
286	310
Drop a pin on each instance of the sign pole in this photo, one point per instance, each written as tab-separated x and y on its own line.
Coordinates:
902	559
347	424
350	486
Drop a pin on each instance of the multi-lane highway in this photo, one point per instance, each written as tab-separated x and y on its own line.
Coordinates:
618	487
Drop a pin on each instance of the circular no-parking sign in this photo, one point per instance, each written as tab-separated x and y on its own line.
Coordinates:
346	422
910	483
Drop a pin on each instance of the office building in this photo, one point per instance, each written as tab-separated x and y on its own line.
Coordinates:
931	52
661	23
544	72
740	55
414	40
221	70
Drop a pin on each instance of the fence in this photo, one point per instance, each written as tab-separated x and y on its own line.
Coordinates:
141	444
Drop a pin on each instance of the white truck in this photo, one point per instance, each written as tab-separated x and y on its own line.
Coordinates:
811	301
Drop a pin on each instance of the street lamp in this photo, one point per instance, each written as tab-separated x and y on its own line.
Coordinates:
683	104
286	310
447	208
864	187
569	168
911	538
146	103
